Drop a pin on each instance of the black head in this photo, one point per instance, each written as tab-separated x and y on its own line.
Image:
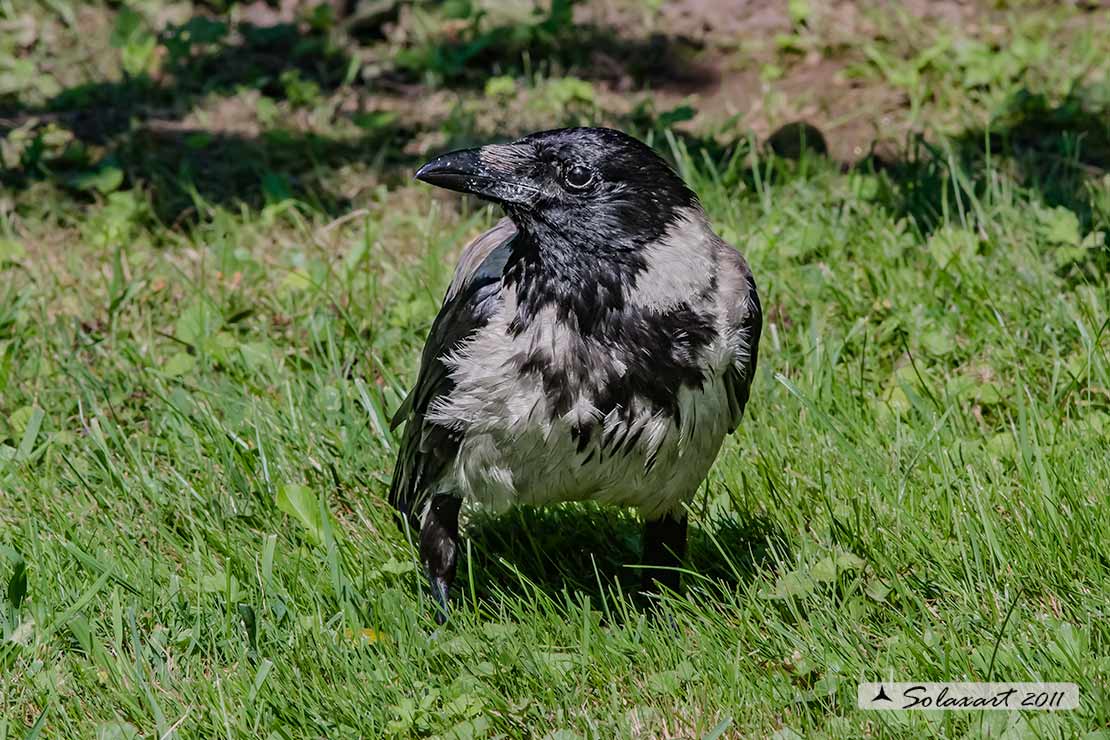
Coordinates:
583	187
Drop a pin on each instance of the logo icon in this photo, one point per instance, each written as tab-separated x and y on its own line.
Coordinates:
881	696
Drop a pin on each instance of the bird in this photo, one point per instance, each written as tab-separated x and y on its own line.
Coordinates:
597	343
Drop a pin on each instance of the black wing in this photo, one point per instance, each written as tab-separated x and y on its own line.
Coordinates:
427	448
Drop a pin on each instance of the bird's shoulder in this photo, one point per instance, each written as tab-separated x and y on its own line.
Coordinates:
736	289
742	316
483	257
471	299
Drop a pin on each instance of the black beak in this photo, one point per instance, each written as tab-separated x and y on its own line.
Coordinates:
460	170
496	172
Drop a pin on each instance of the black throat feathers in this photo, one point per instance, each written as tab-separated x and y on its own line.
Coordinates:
618	355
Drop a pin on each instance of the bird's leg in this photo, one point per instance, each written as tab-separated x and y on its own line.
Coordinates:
664	549
439	548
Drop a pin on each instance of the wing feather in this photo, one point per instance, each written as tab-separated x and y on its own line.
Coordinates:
472	298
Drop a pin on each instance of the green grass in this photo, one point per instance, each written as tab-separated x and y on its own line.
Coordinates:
194	454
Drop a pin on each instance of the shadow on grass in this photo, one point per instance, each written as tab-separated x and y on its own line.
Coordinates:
589	52
204	56
1057	150
135	127
177	165
593	551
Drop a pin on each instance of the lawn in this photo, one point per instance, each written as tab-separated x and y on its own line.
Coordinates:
216	275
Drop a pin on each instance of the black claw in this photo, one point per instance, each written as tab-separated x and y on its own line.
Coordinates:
439	596
439	550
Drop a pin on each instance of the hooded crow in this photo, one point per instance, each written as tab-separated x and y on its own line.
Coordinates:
596	344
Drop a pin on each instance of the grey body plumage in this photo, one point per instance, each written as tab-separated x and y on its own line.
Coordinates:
596	344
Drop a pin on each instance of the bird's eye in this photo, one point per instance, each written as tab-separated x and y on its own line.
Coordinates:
578	177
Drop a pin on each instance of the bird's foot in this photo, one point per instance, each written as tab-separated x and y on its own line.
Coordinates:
440	599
